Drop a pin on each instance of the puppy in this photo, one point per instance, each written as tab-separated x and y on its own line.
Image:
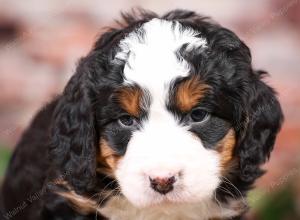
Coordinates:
165	118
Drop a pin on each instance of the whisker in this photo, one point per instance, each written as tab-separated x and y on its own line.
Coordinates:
226	180
109	193
218	203
223	189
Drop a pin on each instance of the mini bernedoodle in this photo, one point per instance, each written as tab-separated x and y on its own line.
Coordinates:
164	119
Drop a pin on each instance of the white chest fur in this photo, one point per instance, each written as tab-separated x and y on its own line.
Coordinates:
118	208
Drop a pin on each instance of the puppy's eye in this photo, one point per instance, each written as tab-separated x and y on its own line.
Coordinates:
126	120
199	115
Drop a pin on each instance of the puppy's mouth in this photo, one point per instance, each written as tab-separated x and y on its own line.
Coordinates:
169	200
153	199
158	200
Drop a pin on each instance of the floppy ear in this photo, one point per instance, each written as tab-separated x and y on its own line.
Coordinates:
264	119
73	135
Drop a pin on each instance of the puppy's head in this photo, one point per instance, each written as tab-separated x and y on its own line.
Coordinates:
169	108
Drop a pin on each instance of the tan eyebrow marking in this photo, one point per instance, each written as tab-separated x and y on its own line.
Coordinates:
130	100
189	92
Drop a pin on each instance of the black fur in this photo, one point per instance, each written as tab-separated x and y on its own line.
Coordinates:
62	141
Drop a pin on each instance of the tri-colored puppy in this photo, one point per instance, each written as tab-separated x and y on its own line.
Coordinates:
164	119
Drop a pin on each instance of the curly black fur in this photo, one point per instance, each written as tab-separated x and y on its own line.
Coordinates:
61	142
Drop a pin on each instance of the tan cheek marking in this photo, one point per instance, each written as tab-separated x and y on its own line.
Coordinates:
189	93
107	159
130	98
225	148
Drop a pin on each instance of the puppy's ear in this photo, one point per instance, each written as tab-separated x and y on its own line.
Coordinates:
263	122
73	135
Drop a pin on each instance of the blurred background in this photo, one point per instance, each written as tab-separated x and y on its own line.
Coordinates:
41	41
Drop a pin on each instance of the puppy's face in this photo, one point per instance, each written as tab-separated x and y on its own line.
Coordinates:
172	111
166	137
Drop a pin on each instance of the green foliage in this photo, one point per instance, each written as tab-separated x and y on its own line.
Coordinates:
5	154
276	205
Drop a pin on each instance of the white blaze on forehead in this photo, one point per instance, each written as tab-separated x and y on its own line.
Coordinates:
163	147
150	53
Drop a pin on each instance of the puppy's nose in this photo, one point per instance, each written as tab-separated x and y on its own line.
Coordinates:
162	185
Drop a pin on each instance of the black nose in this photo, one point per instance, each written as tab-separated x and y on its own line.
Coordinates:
162	185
